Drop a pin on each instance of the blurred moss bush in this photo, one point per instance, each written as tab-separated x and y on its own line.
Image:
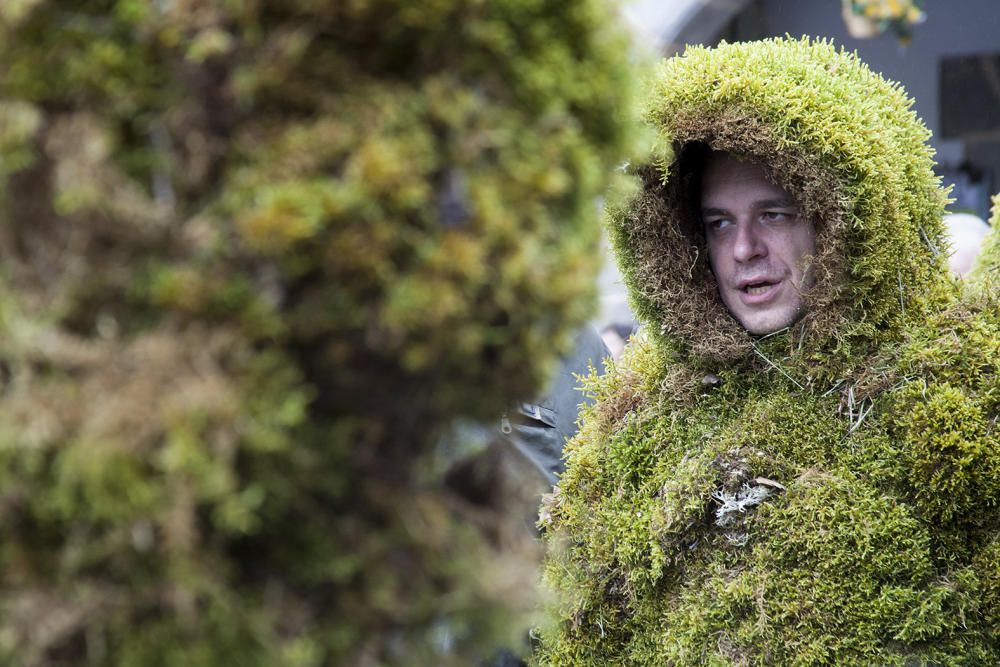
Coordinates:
255	255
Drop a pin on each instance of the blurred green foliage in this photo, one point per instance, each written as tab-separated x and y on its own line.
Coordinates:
254	257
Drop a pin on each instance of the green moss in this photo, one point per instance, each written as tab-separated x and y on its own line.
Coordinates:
953	454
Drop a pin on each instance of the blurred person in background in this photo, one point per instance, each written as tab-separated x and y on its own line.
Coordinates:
523	457
539	430
966	233
616	335
531	434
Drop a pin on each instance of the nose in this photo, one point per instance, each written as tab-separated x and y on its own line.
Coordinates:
749	243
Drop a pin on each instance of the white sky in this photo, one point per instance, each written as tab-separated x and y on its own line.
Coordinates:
657	22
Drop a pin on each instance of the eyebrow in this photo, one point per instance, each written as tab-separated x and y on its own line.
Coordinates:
761	203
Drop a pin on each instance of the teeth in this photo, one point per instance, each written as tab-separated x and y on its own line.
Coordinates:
758	289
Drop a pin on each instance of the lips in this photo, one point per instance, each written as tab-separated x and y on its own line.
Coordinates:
758	290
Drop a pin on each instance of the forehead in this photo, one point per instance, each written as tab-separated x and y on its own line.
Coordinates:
726	176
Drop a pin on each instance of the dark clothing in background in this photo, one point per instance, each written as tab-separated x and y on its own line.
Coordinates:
539	430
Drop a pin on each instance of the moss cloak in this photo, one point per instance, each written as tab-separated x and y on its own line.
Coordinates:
827	494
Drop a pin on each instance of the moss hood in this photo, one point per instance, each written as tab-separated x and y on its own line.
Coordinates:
842	140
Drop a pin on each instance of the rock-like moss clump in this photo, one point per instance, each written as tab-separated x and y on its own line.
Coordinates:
254	257
825	495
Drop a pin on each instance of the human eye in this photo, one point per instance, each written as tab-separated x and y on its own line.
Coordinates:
778	216
715	224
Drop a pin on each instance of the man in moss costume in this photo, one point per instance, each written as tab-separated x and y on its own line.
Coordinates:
823	490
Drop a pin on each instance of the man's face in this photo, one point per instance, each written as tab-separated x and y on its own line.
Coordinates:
758	242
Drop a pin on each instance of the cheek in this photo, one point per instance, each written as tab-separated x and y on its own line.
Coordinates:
798	245
809	249
809	239
714	249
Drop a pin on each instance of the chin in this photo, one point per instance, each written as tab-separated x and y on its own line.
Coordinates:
762	324
765	329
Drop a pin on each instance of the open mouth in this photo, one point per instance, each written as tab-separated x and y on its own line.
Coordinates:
761	287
